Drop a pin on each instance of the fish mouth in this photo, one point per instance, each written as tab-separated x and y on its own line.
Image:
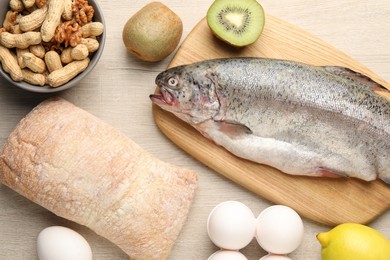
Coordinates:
164	98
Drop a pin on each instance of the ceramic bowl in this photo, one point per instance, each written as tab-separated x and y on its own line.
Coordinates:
98	17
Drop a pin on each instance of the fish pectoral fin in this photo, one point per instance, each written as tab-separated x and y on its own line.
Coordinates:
356	76
233	130
327	172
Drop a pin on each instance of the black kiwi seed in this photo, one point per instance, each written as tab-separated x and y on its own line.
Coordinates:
237	22
233	27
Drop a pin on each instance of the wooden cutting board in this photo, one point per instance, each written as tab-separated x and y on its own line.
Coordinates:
325	200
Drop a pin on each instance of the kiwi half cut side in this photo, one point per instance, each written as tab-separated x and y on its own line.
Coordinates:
237	22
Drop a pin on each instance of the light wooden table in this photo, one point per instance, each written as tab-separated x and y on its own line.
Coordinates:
117	91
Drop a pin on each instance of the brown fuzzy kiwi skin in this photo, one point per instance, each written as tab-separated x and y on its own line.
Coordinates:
153	32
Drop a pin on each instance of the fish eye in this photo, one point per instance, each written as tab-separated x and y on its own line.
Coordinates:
173	82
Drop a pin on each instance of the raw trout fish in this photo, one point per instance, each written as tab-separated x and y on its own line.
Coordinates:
298	118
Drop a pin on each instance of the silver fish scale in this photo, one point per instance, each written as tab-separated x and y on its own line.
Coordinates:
308	107
302	119
299	85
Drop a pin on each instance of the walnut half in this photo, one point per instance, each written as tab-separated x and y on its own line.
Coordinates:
69	33
82	12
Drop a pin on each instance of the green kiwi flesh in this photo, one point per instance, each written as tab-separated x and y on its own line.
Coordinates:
237	22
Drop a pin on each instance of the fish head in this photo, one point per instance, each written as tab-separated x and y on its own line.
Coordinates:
188	93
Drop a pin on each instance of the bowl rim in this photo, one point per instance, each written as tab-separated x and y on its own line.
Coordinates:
94	60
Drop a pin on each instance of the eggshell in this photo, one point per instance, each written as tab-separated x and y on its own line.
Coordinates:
227	255
61	243
279	229
275	257
231	225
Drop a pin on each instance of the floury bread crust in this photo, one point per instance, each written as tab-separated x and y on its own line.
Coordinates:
80	168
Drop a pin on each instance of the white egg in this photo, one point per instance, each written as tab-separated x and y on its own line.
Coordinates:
231	225
275	257
227	255
61	243
279	230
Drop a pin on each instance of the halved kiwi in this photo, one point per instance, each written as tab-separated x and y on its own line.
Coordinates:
237	22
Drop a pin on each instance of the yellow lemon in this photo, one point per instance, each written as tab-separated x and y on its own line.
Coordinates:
351	241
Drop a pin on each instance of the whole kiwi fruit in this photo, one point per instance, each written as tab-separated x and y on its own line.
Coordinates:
153	32
237	22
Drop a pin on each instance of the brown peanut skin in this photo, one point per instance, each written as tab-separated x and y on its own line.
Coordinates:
9	22
52	19
38	50
19	53
28	3
79	52
33	78
65	56
16	29
67	14
53	61
16	5
92	29
64	75
92	44
34	20
21	41
10	64
34	63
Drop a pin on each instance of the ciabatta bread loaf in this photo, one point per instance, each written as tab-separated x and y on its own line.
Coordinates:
82	169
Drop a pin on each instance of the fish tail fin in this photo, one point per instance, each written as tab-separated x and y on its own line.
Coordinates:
356	76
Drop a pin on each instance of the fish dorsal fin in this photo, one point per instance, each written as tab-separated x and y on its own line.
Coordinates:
356	76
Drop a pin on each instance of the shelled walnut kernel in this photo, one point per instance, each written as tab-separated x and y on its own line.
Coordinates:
82	12
69	33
